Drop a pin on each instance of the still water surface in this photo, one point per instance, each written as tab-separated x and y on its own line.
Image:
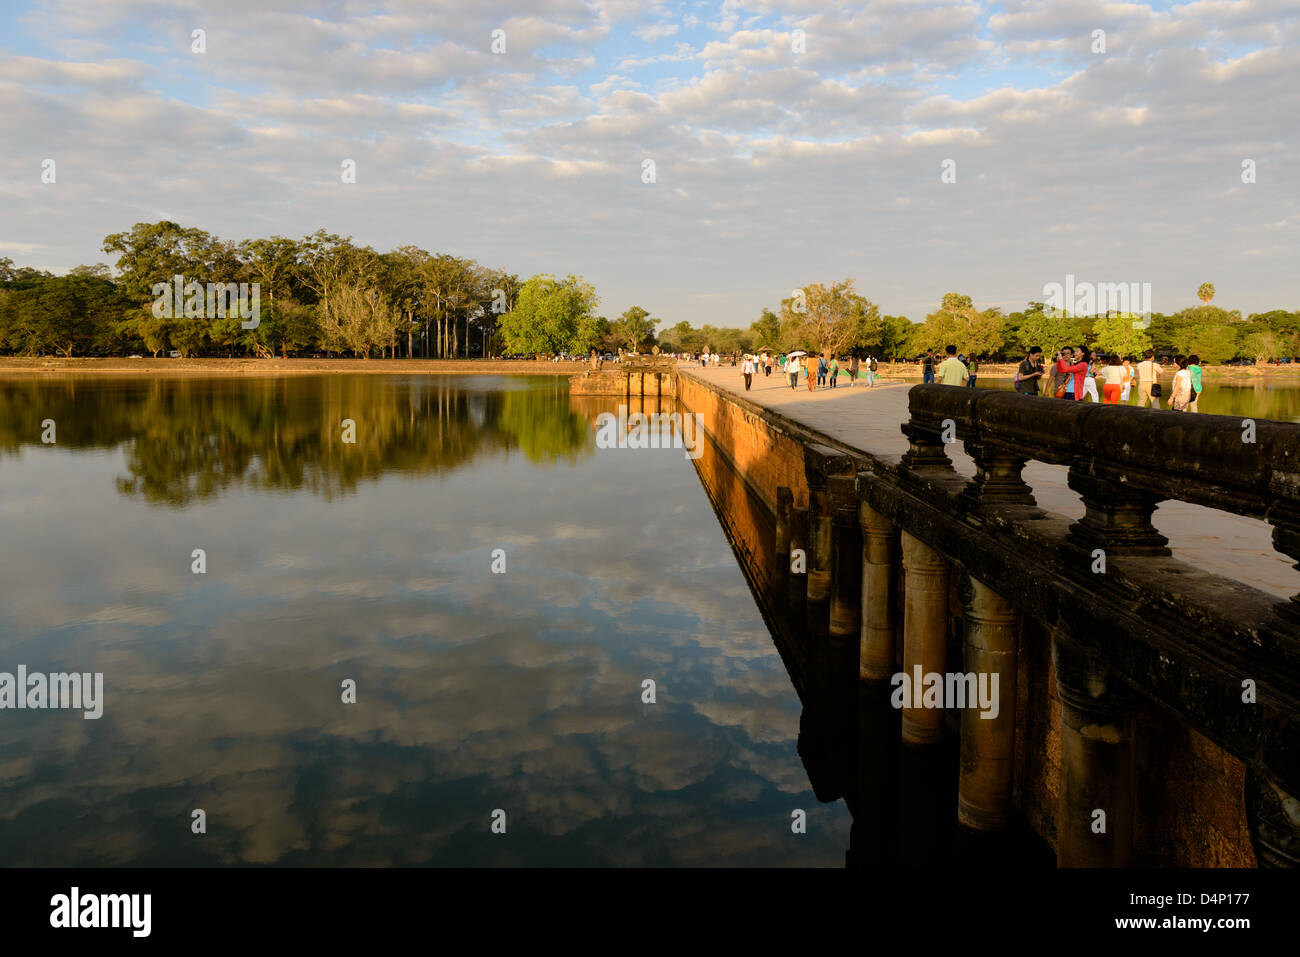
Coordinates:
372	561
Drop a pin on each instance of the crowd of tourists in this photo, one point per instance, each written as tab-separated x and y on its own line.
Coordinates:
1074	375
815	372
824	371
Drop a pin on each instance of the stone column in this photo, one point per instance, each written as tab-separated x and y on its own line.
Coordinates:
846	559
879	554
819	544
988	724
1094	820
925	634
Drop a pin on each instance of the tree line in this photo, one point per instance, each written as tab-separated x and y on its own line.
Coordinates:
834	318
323	294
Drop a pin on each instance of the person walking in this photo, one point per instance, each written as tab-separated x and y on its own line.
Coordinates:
767	365
974	368
834	370
1180	398
821	370
873	369
1071	386
1030	372
747	370
1112	378
927	367
952	371
813	372
854	370
1148	380
792	371
1194	367
1129	376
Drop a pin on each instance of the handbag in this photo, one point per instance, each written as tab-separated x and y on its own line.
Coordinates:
1156	391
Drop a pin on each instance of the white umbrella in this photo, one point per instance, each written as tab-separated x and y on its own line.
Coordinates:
795	355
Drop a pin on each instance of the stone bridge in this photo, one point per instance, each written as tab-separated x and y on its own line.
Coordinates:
1150	708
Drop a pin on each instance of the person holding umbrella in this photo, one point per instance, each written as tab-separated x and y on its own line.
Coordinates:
792	367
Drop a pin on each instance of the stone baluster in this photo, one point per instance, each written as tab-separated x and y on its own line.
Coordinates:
925	449
925	634
1117	517
998	483
988	723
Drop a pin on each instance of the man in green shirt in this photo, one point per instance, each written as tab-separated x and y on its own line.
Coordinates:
952	371
1194	367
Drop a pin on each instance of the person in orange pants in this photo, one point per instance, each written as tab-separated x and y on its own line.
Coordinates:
1112	377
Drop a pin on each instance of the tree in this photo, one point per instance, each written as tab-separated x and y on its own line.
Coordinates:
97	271
1205	330
1262	345
552	315
957	322
635	328
155	252
766	329
829	318
1205	292
1049	329
360	319
1117	334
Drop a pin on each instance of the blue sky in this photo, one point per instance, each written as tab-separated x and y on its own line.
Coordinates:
775	167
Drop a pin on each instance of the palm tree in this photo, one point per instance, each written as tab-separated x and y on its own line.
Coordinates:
1205	292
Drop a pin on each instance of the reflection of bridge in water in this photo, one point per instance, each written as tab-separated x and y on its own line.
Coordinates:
1150	709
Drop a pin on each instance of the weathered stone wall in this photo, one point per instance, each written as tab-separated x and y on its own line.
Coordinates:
613	380
1189	791
764	454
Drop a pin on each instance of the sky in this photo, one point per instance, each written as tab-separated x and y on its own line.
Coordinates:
916	146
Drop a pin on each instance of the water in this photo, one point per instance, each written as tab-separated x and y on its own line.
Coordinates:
372	562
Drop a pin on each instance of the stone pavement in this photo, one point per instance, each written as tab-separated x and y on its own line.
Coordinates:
869	419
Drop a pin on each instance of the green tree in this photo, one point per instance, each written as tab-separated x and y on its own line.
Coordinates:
1048	329
767	329
957	322
635	328
552	315
1205	292
155	252
1119	334
829	318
